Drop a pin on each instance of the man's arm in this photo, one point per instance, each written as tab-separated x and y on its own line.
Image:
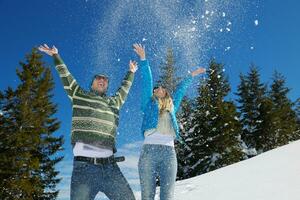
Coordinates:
69	83
121	95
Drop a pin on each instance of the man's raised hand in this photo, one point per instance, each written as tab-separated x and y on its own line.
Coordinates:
50	51
133	66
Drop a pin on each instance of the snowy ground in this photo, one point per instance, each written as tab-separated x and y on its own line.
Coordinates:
273	175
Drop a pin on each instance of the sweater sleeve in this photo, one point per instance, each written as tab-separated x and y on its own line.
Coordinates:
147	83
180	91
69	83
121	95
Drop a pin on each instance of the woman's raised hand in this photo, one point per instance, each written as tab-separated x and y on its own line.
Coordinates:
198	71
140	51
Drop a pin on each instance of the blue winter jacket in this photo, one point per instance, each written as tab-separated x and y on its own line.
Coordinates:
149	105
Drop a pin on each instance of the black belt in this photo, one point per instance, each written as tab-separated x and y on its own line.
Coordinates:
102	161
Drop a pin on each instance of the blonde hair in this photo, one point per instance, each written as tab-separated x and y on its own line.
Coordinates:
165	103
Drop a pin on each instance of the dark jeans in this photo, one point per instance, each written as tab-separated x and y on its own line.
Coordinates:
88	179
157	160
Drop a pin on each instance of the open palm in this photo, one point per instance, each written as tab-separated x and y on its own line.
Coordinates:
50	51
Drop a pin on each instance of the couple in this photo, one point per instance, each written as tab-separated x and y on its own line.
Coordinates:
94	122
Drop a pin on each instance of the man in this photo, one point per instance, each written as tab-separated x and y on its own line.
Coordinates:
94	122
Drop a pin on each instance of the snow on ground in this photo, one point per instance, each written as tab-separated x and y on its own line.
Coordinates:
273	175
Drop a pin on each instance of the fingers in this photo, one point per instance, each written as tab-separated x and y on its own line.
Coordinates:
198	71
41	48
139	50
136	51
138	47
132	63
133	66
46	47
135	45
202	70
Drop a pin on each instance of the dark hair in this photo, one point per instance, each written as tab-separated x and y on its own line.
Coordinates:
98	75
157	86
101	76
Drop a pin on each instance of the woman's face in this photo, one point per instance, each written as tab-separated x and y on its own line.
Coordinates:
160	92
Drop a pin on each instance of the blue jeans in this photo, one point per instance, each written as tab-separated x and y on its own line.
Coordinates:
157	160
88	179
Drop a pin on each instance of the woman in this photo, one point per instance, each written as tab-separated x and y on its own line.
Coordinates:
160	128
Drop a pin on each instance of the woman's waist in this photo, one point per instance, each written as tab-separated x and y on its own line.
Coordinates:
152	136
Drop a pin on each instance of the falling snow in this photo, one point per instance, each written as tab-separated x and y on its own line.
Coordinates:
227	48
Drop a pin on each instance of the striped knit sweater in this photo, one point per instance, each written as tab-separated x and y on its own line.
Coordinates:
95	118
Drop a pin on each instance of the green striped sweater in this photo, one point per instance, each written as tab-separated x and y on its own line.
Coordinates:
95	118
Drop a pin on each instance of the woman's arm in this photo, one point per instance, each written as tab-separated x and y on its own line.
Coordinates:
182	87
147	81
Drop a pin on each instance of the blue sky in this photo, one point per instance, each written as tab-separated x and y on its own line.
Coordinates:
95	36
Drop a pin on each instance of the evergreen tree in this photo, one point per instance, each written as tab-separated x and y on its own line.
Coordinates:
9	162
31	112
168	77
297	110
252	96
183	150
284	118
215	130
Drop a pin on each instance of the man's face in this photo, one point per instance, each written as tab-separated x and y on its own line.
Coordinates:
100	84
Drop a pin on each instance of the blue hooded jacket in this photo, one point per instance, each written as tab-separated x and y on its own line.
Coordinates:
149	105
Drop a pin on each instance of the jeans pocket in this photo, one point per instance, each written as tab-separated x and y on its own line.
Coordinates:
80	166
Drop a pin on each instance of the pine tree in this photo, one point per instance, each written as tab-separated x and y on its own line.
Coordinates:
252	96
168	77
215	132
8	144
33	137
284	118
183	150
297	110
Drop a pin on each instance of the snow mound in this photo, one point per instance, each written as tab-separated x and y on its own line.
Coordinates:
273	175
